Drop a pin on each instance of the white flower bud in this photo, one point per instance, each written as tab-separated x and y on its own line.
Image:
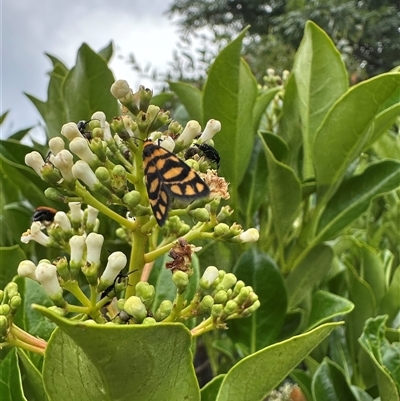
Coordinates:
83	172
91	215
70	131
80	147
77	245
210	275
168	143
27	269
56	145
120	89
250	235
36	234
35	160
61	219
116	262
46	274
76	211
64	161
190	132
107	132
94	242
212	127
99	115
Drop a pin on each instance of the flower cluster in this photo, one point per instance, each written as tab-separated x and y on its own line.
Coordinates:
110	164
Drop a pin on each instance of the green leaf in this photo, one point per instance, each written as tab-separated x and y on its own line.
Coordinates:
360	293
19	135
4	116
87	87
32	378
162	98
390	303
309	273
107	51
262	327
256	375
260	105
355	194
326	306
386	358
330	384
10	378
10	258
253	189
335	147
339	351
290	125
210	390
383	122
229	96
119	362
284	192
387	146
191	98
321	78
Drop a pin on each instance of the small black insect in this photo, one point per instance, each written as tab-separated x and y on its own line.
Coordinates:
210	153
118	280
207	151
44	214
82	127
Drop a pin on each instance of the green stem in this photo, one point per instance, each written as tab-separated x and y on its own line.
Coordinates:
75	290
92	201
177	308
78	309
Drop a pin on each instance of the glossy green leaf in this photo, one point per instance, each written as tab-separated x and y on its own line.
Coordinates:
4	116
256	375
360	293
339	351
10	378
330	384
383	122
386	357
89	81
229	95
19	135
326	306
284	192
119	362
321	78
372	270
161	99
390	303
310	272
387	146
261	104
32	379
262	327
253	189
191	98
290	125
335	147
355	194
10	258
210	390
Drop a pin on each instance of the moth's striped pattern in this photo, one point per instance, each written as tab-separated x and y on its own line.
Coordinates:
168	177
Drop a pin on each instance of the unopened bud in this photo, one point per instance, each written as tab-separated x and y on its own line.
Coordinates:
145	292
149	321
206	304
134	307
163	311
220	297
181	280
221	229
11	289
132	198
227	282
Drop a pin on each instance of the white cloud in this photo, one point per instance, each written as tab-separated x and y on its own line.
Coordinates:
59	27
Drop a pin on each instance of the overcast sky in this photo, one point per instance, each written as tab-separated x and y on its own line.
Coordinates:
30	28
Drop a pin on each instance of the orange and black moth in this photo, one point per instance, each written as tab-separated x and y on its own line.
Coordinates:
168	177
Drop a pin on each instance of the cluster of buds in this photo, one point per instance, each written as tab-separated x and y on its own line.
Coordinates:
61	226
10	334
105	164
